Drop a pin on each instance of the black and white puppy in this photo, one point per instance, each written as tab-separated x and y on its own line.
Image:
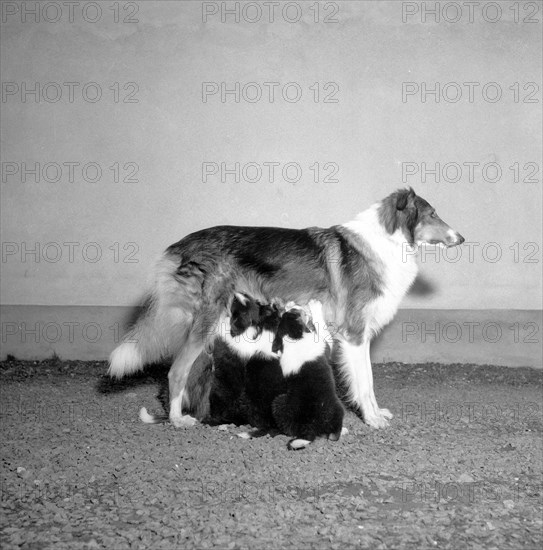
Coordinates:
247	376
310	407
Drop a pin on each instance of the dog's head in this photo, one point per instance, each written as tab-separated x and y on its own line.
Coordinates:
294	324
417	219
246	313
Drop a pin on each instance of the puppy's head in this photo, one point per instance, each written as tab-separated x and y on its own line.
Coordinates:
294	324
246	313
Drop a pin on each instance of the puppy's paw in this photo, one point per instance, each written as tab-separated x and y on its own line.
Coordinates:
336	435
298	444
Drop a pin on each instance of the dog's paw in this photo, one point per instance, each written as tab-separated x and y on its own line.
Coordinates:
185	421
376	421
386	413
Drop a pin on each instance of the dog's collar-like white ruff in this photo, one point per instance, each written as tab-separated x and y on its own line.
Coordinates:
398	270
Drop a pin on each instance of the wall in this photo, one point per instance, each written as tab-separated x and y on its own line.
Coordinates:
366	109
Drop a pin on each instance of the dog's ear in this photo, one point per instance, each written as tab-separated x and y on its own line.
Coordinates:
411	198
405	198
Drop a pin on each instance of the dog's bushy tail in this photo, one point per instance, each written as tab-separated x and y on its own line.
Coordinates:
141	345
163	326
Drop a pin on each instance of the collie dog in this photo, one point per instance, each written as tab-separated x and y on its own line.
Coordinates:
359	271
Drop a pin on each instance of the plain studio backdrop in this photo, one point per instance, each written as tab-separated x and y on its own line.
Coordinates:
126	126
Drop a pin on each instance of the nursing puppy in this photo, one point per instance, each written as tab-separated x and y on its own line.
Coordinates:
359	270
310	408
247	376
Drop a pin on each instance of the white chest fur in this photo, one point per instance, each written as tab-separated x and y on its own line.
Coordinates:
297	352
248	344
397	271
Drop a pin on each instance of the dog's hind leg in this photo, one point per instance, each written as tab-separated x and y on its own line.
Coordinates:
177	378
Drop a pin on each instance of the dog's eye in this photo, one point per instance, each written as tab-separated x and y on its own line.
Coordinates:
433	215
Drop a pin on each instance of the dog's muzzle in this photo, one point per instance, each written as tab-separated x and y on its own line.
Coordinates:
454	238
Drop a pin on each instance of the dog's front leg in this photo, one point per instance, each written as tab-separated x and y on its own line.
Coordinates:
356	368
383	412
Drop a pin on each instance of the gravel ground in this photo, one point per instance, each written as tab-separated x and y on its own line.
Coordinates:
459	467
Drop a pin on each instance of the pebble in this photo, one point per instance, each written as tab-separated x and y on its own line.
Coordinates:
465	478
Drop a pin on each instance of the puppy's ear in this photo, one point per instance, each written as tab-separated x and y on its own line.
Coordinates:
277	304
277	344
305	320
310	326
